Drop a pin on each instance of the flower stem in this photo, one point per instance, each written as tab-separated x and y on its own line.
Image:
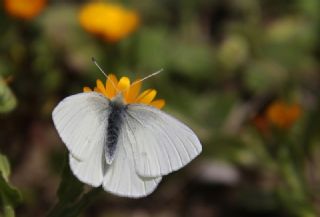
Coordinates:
72	196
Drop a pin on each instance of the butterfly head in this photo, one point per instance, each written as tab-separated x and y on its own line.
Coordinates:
124	92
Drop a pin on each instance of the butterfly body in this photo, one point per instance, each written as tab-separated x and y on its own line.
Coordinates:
115	120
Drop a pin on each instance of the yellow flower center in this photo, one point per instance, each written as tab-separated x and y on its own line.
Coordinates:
130	92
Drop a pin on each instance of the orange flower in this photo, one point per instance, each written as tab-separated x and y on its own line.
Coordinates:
108	20
283	115
24	9
130	93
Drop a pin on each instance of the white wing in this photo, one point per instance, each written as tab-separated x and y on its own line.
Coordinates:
92	169
81	121
121	177
161	144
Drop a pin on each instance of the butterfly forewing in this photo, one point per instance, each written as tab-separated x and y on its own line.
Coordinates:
81	121
161	144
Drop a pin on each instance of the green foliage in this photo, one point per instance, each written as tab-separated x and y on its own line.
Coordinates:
71	196
4	167
265	76
7	99
10	196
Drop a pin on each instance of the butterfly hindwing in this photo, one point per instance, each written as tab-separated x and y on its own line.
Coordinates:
121	177
92	169
161	144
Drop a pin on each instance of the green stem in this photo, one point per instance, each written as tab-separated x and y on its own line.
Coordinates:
8	211
72	199
73	209
295	194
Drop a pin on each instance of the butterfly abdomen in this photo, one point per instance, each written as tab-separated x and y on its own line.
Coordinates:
114	124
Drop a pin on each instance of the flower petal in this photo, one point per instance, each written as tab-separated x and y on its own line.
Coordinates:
294	112
24	9
97	90
133	92
100	87
86	89
283	115
123	84
159	103
147	96
111	85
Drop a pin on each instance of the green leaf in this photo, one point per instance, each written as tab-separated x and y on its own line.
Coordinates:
7	100
8	211
4	167
10	196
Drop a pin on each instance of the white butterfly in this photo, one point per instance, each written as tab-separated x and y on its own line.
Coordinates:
120	140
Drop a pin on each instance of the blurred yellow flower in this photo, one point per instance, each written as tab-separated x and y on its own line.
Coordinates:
24	9
108	20
113	87
283	115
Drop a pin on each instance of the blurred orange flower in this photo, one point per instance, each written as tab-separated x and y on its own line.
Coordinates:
108	20
24	9
277	114
283	115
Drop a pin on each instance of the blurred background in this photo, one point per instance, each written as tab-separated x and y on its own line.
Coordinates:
245	75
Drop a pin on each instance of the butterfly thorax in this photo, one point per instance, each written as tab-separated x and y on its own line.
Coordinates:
115	120
118	99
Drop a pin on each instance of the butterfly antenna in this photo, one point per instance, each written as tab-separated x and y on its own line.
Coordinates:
149	76
96	63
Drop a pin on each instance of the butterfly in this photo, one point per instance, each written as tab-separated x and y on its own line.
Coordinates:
121	139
